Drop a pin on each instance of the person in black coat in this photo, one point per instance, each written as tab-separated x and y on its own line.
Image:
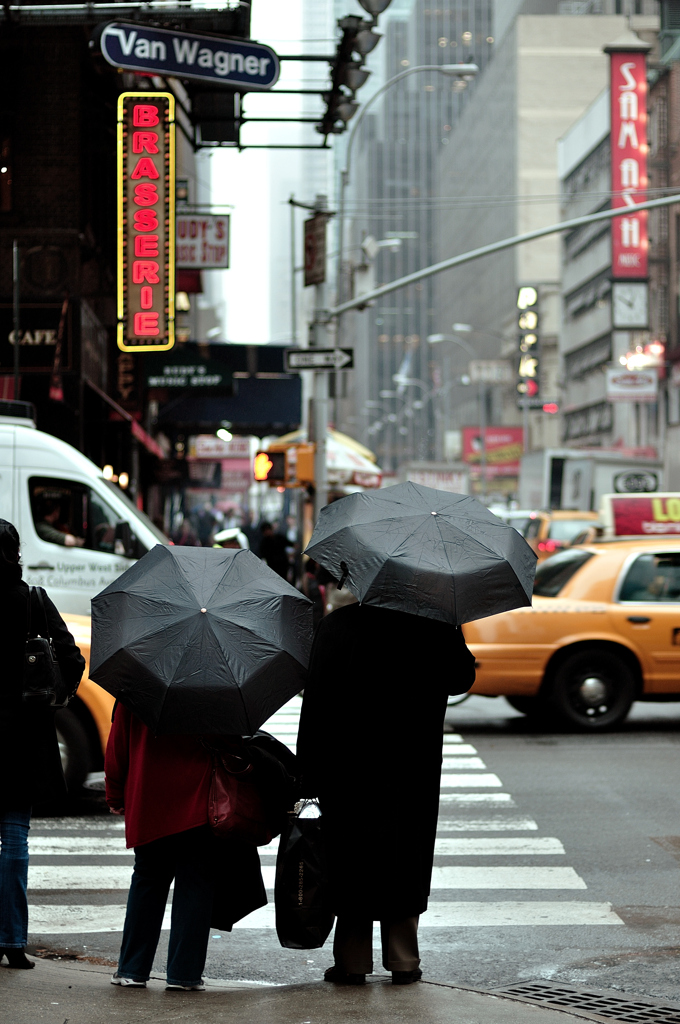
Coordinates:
30	765
370	747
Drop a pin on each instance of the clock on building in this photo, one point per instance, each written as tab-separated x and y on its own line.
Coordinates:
629	304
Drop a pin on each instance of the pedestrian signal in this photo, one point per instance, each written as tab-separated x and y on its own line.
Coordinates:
270	467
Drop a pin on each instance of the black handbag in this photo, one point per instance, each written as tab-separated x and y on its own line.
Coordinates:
303	920
43	685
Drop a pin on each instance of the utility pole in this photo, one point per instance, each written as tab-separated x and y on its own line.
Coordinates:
15	313
318	420
293	271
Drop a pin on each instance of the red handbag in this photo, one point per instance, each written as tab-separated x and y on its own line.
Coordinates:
235	807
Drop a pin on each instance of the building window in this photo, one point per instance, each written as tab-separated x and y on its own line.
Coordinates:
5	175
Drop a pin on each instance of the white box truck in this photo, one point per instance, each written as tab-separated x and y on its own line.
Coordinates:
576	478
78	531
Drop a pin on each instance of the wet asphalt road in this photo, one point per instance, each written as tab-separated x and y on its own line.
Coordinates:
611	899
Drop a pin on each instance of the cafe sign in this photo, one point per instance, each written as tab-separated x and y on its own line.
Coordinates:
146	221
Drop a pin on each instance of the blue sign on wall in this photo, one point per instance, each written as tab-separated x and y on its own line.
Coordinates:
185	55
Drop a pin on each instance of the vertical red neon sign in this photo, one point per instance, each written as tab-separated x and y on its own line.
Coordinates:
629	161
146	222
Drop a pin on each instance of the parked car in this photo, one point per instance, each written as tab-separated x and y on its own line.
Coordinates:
603	631
549	531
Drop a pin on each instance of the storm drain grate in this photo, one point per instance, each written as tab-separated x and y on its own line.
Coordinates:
630	1011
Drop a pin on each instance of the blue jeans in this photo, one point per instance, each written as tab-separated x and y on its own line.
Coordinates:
189	858
14	826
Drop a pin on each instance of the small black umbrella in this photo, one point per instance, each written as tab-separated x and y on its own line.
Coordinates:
413	549
201	640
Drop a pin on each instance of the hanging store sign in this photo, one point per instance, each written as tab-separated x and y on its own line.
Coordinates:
632	385
146	221
202	242
629	162
185	55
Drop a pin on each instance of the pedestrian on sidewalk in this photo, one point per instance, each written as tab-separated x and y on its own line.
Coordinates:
30	765
161	785
370	747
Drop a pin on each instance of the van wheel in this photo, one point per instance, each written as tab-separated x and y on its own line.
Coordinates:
74	749
591	690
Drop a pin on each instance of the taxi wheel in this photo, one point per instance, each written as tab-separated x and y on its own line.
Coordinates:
592	690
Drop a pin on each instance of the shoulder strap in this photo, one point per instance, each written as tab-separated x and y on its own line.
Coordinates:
45	629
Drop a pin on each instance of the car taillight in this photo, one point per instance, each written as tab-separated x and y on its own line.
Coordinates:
549	545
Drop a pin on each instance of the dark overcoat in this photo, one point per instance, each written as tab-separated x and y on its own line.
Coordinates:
30	765
370	746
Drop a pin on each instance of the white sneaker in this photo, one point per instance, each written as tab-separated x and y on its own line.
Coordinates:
186	988
127	982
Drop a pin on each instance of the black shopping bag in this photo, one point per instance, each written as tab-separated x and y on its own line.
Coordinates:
303	920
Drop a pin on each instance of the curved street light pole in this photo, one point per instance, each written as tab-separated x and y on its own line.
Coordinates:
452	70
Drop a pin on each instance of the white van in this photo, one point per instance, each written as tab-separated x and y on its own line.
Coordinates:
78	531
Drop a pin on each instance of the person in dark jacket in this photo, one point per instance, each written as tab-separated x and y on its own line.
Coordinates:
161	785
30	765
370	747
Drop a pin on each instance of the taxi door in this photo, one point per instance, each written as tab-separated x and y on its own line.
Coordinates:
646	611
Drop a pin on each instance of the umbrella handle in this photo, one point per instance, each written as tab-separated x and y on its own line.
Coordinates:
345	574
247	765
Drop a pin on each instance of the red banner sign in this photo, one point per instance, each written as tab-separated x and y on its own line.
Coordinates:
646	515
146	221
629	162
504	446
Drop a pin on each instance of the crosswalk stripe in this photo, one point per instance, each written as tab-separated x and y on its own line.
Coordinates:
72	824
64	877
452	737
505	878
469	781
60	920
498	847
499	823
78	846
471	799
456	763
459	749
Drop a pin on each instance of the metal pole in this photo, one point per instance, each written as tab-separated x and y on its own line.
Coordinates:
525	424
293	282
15	313
482	430
505	243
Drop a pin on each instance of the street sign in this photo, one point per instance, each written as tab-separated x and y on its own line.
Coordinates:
319	359
315	249
185	55
490	371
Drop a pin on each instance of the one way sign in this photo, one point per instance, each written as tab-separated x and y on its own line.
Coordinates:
319	359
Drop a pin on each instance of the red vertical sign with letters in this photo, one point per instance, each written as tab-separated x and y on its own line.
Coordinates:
629	162
146	222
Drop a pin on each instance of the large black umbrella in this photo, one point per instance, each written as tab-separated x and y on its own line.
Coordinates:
413	549
201	640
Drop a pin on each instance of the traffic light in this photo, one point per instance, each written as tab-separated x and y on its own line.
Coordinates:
270	466
528	325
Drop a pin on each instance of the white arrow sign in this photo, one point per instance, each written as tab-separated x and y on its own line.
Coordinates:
320	359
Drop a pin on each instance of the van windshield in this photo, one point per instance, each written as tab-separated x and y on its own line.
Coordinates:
150	525
554	574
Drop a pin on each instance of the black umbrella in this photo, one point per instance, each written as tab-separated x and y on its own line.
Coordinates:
201	640
413	549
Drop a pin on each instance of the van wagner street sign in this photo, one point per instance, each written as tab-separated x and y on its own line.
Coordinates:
319	359
185	55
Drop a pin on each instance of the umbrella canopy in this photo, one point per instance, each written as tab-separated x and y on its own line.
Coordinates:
201	640
413	549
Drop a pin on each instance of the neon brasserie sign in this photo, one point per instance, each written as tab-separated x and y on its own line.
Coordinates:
146	221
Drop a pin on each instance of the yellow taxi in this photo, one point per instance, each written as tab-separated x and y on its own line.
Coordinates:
603	631
83	727
552	530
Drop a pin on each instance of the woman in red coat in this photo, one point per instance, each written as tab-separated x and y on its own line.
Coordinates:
160	784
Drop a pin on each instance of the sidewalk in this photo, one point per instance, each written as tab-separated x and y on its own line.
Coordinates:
80	993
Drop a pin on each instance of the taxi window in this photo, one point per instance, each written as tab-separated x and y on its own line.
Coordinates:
71	514
567	529
519	523
653	578
555	572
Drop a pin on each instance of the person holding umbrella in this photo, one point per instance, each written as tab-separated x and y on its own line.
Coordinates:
420	562
200	646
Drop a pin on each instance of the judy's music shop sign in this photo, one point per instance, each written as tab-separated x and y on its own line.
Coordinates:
146	221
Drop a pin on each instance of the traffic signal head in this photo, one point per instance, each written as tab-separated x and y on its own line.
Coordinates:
270	466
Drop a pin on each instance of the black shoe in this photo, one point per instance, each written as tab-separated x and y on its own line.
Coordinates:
334	974
406	977
17	959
